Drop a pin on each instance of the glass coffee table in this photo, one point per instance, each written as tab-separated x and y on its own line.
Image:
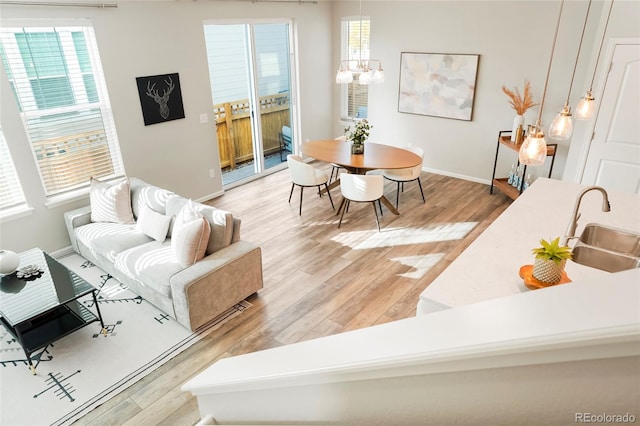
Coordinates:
44	307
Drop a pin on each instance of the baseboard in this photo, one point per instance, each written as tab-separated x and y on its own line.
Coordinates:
62	252
210	196
457	176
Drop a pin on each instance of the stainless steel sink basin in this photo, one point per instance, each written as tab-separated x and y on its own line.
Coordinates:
617	240
602	259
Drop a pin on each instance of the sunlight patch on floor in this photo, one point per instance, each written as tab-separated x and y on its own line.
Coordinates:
420	264
391	237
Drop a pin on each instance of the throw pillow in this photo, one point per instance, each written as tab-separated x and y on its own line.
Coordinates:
190	235
111	202
153	224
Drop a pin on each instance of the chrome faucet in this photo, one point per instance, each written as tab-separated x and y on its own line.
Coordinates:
573	224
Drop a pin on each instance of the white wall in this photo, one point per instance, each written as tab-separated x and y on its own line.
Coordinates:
140	39
514	41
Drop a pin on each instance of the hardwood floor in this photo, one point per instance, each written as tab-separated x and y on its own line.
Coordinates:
318	280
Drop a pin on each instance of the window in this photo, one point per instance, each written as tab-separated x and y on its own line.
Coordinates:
355	96
56	76
11	195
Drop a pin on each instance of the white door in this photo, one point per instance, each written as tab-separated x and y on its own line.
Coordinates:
613	161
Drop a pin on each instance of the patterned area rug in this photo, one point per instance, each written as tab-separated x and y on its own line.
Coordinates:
86	368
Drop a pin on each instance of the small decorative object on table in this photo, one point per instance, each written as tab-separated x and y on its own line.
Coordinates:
9	262
520	103
29	272
358	135
548	268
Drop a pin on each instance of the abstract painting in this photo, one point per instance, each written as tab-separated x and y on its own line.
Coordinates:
160	98
441	85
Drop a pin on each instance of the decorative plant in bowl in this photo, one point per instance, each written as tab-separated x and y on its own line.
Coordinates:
550	260
358	134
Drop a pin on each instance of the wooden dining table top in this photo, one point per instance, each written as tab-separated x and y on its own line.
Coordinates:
376	156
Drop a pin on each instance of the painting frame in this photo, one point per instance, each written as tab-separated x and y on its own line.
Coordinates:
438	84
158	108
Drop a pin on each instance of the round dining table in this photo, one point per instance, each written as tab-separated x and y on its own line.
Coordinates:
375	156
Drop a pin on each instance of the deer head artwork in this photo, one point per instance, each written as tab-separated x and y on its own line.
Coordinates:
161	100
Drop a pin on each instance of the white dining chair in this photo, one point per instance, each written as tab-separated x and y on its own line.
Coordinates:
305	175
335	168
361	188
400	176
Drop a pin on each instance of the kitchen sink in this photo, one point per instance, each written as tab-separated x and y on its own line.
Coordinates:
608	238
603	259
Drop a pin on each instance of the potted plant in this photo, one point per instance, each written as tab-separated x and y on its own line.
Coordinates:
520	103
550	260
357	135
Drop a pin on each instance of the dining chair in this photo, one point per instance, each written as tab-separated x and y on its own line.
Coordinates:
336	167
361	188
400	176
305	175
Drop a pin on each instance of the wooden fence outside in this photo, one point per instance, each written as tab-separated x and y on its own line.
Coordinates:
73	159
233	127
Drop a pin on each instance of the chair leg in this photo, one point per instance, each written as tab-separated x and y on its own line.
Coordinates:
421	193
341	206
398	195
380	205
301	190
375	212
329	194
343	210
291	193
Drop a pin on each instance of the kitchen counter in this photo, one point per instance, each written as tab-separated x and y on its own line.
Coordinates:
489	267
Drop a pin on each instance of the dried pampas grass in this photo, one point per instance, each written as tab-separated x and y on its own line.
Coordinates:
520	103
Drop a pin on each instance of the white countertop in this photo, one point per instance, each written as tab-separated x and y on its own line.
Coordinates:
489	267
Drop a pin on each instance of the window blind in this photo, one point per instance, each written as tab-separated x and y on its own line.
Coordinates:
56	77
355	96
11	194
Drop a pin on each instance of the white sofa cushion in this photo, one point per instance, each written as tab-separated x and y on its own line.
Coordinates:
220	221
146	195
109	239
111	201
153	224
190	235
151	265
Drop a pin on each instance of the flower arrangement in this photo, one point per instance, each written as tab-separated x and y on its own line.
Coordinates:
359	133
520	103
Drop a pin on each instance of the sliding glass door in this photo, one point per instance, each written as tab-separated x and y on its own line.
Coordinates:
250	75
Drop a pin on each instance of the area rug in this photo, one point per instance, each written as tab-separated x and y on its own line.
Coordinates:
86	368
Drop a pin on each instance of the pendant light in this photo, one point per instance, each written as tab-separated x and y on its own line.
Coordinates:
584	109
534	148
360	67
562	126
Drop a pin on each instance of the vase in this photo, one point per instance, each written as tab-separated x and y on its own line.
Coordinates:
548	271
9	262
357	148
518	120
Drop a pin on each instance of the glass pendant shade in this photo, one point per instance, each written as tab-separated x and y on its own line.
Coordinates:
366	77
344	76
562	126
585	107
533	150
378	76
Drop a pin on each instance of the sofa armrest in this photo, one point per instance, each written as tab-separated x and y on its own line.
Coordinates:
74	219
214	284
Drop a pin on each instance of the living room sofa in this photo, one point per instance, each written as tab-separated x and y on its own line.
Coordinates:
230	271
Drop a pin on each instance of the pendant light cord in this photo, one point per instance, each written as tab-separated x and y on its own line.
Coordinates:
604	32
360	61
553	48
575	66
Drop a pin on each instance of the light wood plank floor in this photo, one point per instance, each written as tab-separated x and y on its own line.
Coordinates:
318	280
